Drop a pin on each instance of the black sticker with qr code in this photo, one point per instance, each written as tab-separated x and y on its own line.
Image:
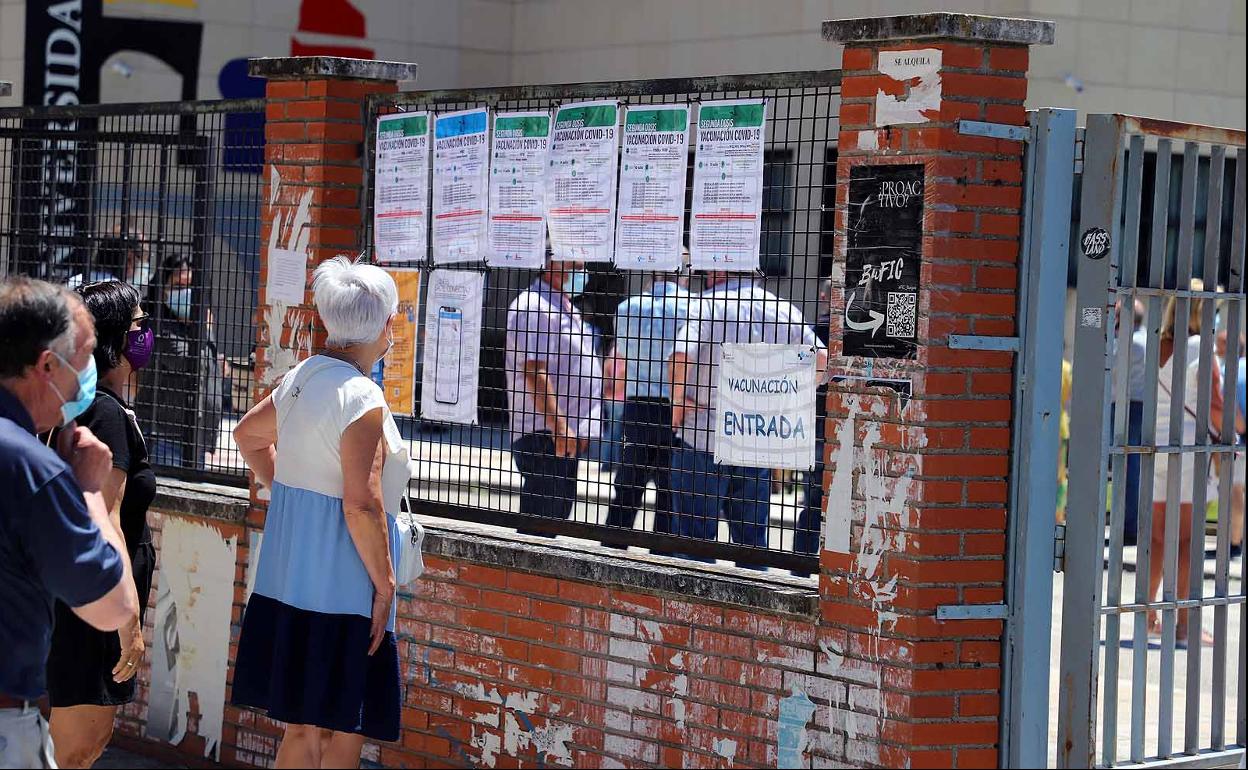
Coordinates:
883	253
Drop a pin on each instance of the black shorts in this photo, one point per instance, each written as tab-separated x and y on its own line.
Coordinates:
80	665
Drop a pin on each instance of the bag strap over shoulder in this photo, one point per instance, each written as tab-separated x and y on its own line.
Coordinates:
306	372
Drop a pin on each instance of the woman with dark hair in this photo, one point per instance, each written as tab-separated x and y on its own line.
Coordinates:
90	672
181	401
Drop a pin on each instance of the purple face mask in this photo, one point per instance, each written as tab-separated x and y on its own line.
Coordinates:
139	344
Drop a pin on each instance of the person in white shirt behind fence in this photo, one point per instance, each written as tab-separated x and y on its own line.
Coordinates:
733	308
554	388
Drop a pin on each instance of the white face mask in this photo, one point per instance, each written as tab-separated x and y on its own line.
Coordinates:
142	275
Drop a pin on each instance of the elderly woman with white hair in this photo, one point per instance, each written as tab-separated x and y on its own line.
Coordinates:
317	648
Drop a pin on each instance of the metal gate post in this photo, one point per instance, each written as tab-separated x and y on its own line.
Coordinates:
1085	540
1042	298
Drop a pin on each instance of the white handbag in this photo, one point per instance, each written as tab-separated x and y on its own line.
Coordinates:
409	561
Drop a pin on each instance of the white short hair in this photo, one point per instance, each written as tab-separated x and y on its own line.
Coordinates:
355	300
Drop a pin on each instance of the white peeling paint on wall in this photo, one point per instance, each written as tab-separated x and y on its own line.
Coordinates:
519	732
726	748
191	643
254	541
838	502
290	231
919	72
792	736
868	141
869	473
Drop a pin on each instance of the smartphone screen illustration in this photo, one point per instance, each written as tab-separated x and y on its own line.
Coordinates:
447	356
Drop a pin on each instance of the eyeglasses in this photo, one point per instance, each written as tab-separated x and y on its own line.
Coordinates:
144	321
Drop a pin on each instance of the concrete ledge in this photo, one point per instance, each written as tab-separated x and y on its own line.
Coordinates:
312	67
209	501
579	560
950	26
597	564
6	88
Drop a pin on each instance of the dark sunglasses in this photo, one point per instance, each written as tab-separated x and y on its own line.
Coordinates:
144	321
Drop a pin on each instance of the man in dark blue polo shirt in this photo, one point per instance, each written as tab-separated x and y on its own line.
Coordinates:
56	540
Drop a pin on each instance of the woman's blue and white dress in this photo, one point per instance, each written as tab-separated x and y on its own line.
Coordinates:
303	651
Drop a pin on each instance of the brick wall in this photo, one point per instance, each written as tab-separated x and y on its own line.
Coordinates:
507	666
535	668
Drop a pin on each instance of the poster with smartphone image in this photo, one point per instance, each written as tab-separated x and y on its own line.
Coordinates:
450	367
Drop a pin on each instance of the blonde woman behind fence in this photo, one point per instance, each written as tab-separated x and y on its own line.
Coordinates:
1173	334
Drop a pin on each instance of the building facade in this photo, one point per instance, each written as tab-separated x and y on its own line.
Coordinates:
1150	57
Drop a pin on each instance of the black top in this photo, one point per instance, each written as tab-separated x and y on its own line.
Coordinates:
49	548
112	421
180	390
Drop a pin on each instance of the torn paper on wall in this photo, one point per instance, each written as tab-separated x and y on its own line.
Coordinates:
191	643
918	72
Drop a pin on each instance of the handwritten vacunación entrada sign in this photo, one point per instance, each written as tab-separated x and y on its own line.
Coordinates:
884	247
766	406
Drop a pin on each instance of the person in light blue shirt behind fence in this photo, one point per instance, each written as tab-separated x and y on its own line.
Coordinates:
646	326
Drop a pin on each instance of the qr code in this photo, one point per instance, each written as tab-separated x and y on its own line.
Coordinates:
902	312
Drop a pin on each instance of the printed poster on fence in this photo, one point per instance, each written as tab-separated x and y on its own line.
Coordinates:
580	181
398	378
766	406
450	370
651	215
517	224
461	157
727	212
401	188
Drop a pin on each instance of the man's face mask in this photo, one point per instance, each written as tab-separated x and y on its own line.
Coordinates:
142	275
70	409
574	282
180	303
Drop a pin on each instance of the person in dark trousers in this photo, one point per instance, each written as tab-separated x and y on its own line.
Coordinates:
56	539
90	672
1136	387
647	324
180	402
554	388
806	536
733	308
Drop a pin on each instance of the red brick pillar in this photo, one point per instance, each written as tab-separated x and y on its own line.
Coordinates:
313	190
315	121
918	445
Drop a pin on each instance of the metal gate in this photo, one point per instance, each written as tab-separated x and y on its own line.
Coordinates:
136	192
1161	204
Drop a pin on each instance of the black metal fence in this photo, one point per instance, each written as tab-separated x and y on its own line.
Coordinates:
165	196
635	480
